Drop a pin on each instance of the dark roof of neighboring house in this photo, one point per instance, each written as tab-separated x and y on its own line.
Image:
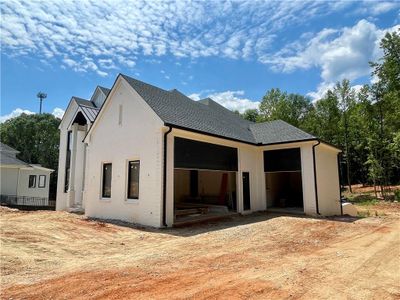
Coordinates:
6	148
9	159
88	108
207	116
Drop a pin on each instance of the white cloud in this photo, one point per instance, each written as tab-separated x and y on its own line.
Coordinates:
321	91
376	8
338	53
15	113
57	112
232	100
98	36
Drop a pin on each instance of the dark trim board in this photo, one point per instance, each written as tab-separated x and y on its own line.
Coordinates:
194	154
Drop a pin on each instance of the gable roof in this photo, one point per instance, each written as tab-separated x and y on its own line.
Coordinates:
176	109
207	116
105	90
88	108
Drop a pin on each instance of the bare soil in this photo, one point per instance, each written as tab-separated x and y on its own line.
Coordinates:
56	255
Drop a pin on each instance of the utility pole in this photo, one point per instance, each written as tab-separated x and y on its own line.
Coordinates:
41	96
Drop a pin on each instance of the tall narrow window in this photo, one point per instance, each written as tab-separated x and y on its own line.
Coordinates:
42	181
133	179
32	181
107	175
68	161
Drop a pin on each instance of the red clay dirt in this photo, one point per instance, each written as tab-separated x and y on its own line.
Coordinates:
55	255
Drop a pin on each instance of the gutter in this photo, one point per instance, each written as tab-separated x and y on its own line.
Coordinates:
315	177
164	215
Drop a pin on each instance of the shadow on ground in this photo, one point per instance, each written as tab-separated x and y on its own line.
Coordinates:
221	224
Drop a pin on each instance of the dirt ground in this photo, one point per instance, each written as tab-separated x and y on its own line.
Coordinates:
56	255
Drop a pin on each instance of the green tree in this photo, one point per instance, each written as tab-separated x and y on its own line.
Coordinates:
291	108
346	97
251	115
36	137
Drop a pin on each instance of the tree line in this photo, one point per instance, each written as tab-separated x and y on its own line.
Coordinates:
365	123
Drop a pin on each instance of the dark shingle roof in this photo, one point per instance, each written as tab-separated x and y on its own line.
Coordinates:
105	90
88	108
6	148
9	159
209	117
177	109
278	131
8	156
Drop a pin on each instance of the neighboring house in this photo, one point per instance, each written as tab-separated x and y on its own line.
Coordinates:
142	154
22	183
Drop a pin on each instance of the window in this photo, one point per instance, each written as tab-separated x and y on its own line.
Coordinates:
107	173
68	162
133	179
42	181
32	181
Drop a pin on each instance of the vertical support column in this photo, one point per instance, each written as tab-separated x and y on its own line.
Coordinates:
71	192
307	178
170	180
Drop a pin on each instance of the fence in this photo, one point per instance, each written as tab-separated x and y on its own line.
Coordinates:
25	201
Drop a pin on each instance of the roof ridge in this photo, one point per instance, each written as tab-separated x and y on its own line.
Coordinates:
145	83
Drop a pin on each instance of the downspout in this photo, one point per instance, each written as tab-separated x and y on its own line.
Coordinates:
164	217
340	186
315	177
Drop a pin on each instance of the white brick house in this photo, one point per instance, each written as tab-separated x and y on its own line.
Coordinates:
146	155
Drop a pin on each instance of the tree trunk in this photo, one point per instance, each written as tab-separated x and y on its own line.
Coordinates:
346	141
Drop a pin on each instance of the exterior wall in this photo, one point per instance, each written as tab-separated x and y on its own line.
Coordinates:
9	181
248	161
73	198
62	201
23	183
98	98
327	180
138	137
15	182
307	172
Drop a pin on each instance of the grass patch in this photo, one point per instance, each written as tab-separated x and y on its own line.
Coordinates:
362	199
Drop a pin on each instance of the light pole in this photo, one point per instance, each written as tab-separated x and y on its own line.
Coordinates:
41	96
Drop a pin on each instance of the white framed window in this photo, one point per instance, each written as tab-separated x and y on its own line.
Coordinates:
133	179
106	180
32	181
42	181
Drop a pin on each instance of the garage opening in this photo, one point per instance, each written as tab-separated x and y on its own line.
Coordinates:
205	178
283	180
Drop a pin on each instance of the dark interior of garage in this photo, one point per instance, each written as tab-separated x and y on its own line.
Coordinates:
204	180
283	178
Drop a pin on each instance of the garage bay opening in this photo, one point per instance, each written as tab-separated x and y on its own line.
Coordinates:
283	180
205	178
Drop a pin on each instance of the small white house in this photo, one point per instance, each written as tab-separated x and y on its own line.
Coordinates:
142	154
22	183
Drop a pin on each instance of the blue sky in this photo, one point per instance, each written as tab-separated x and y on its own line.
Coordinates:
232	51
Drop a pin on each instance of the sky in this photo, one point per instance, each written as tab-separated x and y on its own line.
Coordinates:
231	51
